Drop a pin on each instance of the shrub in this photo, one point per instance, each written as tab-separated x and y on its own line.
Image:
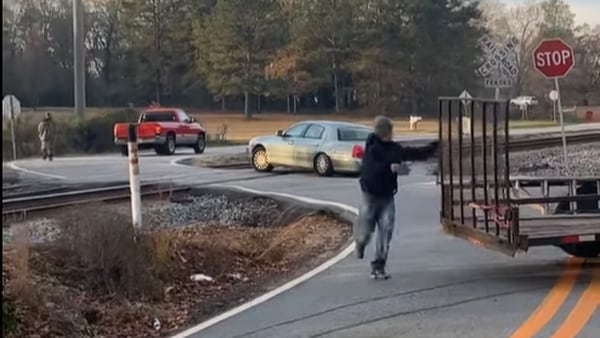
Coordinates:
100	248
94	135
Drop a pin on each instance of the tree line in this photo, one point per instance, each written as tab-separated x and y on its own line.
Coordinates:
390	56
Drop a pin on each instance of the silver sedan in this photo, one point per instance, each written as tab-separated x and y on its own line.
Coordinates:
327	147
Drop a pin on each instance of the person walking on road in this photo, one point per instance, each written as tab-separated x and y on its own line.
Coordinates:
46	132
380	167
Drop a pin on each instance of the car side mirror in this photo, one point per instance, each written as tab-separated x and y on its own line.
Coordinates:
279	133
191	120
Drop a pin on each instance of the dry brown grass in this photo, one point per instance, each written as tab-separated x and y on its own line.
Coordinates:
241	129
94	280
21	284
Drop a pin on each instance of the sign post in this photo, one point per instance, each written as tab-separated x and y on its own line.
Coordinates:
554	59
498	70
11	109
553	97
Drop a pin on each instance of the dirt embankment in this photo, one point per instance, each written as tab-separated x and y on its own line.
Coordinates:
84	273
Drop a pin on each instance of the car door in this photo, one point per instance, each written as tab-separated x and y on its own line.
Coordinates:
282	152
306	147
185	133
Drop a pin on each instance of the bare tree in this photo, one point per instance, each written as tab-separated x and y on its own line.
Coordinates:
521	21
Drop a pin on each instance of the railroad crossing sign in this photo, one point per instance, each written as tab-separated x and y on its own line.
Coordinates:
499	68
553	58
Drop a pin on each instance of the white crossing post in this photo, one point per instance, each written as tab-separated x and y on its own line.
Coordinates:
13	136
134	177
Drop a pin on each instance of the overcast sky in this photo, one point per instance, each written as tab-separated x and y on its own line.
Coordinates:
586	11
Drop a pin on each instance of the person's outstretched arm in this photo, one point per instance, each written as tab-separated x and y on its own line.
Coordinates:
417	153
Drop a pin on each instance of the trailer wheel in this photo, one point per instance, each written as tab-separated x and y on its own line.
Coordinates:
584	250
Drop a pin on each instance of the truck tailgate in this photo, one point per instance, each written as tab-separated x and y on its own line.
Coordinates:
144	130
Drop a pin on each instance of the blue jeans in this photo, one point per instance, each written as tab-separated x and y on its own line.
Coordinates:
376	213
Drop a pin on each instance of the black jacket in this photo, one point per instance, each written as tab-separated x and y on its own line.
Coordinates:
376	176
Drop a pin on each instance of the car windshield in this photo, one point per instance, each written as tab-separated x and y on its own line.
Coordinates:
353	134
166	116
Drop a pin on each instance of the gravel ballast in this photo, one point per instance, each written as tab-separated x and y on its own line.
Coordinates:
584	160
206	209
214	210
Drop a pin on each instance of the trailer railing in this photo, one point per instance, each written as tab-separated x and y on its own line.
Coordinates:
482	203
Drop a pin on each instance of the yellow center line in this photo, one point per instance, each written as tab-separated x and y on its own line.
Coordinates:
552	302
584	309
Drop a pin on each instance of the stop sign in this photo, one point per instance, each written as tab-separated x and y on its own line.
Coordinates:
553	58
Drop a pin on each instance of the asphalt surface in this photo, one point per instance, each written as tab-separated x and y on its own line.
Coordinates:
440	286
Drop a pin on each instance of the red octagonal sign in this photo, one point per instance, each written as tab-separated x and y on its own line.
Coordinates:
553	58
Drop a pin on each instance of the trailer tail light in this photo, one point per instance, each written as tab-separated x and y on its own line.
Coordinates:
357	151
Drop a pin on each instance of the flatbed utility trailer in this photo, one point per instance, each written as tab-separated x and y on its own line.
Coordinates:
482	203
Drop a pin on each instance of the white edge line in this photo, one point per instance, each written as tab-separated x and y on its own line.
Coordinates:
14	166
175	162
287	286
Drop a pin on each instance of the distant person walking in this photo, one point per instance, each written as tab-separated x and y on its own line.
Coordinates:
379	183
46	132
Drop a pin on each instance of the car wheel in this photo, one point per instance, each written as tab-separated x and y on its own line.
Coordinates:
260	160
200	144
323	165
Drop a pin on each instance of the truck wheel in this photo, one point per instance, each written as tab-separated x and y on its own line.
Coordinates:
124	151
200	144
585	249
168	148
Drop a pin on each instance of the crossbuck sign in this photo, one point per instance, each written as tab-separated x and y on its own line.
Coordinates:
498	71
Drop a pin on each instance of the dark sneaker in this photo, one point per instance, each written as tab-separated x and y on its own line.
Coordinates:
378	270
50	158
375	267
44	157
360	250
382	274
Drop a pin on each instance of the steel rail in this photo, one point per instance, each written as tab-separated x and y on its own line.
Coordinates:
24	205
524	143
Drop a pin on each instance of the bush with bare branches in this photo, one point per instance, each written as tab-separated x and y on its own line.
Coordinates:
101	247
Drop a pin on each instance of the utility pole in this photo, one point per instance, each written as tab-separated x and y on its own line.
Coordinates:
78	58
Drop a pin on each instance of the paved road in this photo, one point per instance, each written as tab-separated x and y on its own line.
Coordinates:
441	286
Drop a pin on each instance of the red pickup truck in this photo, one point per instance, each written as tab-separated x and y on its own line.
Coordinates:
163	129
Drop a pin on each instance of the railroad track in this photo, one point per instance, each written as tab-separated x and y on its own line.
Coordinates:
24	205
553	141
527	143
